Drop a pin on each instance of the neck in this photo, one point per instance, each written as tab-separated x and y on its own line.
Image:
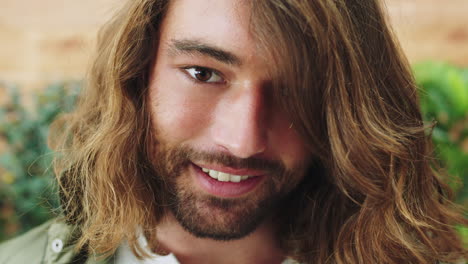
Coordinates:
261	246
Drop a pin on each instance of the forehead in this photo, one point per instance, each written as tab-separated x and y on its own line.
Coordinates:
221	23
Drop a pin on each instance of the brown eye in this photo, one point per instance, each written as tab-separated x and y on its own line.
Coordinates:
204	75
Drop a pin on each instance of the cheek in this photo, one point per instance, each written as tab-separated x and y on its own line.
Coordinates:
177	115
289	144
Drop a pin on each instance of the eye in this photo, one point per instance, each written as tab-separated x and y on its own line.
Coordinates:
204	75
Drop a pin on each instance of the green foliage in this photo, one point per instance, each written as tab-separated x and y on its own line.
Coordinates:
27	193
463	230
444	99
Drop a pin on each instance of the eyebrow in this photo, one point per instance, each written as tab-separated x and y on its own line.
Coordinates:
188	46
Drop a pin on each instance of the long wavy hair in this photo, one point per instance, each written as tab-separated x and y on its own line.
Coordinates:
375	196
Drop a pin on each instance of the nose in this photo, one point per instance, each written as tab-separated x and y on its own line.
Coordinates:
239	125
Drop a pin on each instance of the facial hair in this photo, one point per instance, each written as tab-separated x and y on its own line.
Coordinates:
208	216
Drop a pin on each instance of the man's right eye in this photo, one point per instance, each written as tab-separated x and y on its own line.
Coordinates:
205	75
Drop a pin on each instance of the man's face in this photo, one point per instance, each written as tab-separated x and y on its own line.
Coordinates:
226	150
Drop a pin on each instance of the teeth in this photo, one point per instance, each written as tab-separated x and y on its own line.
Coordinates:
213	174
225	177
235	178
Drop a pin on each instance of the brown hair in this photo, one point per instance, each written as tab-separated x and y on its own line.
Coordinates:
372	196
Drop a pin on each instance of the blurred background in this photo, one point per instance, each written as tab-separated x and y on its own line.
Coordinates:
45	48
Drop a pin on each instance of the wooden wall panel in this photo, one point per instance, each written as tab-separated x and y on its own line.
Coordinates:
49	40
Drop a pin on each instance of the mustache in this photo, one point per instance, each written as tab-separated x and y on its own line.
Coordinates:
224	159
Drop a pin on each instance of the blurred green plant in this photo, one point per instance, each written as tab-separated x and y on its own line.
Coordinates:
444	99
27	193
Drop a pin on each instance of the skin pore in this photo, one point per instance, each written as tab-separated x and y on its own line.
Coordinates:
211	110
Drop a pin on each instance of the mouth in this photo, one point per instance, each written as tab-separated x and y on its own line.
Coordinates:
226	182
225	177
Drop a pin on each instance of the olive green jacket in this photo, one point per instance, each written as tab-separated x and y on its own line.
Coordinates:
50	243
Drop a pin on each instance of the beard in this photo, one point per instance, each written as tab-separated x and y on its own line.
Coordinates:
208	216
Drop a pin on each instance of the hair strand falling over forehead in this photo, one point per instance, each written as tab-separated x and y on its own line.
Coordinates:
373	195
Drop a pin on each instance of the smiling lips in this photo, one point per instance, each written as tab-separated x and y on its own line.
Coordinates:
227	182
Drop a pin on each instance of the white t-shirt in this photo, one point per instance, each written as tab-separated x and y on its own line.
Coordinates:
125	256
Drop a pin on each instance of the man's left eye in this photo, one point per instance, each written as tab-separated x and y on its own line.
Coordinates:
204	75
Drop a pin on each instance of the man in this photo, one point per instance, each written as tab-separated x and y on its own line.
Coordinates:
235	131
